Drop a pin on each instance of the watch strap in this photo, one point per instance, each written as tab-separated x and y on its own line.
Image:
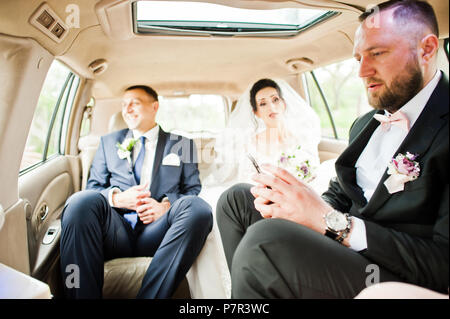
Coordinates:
331	234
340	236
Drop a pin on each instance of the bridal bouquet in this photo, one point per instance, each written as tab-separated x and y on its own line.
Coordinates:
298	163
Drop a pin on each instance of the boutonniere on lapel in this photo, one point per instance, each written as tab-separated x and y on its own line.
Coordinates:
402	169
124	149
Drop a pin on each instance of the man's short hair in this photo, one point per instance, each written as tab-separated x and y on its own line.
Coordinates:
147	90
408	11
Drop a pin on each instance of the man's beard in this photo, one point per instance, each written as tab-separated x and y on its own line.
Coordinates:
402	89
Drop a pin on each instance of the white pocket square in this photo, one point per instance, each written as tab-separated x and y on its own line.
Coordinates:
171	160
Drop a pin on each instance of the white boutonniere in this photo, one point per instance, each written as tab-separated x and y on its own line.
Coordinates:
402	169
298	163
124	149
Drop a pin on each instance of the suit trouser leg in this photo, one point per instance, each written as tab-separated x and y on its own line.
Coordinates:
174	241
281	259
92	232
277	258
235	213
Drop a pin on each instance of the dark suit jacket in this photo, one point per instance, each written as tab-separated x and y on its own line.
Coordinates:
109	171
407	232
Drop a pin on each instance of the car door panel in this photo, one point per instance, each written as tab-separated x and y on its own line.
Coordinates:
45	189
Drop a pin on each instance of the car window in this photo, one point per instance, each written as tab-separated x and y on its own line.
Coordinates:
345	95
48	129
66	111
196	19
192	114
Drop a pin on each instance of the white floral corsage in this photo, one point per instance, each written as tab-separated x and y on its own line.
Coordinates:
124	149
402	169
298	163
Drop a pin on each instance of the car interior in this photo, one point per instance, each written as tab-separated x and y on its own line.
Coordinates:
64	65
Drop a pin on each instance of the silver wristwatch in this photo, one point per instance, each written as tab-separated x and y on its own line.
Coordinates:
338	225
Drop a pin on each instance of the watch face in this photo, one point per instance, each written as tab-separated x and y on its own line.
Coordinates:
336	221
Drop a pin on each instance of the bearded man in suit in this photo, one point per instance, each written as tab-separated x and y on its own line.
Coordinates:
140	200
385	216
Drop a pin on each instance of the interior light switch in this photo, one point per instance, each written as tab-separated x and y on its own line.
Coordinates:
45	19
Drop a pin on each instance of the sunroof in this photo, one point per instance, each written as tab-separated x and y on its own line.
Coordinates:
198	18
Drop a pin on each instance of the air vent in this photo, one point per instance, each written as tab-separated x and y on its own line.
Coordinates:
47	21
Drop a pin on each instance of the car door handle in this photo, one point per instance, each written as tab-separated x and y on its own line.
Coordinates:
43	212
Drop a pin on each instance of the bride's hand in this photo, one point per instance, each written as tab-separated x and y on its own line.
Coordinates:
292	199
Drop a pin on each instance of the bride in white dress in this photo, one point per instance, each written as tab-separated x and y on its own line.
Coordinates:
275	125
270	122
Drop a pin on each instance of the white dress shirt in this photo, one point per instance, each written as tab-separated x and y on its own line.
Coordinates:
373	161
151	141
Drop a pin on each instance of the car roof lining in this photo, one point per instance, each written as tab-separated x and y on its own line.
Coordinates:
168	63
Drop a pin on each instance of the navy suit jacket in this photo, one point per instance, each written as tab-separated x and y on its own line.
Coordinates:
407	232
109	171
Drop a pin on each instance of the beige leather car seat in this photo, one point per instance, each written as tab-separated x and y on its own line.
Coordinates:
116	122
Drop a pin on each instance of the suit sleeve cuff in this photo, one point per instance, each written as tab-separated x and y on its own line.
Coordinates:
358	239
110	193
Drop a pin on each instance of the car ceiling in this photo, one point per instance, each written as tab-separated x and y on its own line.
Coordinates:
189	64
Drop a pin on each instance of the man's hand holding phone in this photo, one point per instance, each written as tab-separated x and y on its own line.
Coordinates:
259	171
281	195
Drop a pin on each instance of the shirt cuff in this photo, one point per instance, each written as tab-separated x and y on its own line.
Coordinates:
358	238
111	192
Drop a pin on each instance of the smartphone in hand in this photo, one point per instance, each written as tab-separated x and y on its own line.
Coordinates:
255	164
252	159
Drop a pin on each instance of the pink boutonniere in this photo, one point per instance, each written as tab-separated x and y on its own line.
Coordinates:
402	169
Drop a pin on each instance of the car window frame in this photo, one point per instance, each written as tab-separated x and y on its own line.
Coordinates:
312	82
64	93
325	103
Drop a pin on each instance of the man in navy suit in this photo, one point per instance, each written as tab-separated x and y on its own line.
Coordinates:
140	200
385	216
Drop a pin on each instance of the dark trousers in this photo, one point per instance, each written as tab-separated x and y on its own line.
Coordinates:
276	258
94	232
